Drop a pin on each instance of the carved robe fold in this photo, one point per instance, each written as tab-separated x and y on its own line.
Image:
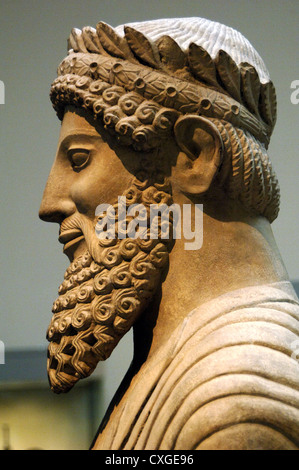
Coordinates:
228	378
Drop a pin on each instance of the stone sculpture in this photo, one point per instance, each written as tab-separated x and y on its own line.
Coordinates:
173	113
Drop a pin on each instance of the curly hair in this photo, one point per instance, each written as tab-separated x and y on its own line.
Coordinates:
138	89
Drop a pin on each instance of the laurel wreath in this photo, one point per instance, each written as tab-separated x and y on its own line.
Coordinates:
241	82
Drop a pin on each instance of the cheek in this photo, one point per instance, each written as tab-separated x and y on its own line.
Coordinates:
98	187
84	193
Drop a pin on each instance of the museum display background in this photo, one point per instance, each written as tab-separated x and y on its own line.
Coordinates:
33	42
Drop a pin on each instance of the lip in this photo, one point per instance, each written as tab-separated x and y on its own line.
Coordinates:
70	238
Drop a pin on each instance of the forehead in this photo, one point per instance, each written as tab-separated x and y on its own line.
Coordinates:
75	123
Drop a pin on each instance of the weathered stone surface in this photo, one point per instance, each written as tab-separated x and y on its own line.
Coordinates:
173	115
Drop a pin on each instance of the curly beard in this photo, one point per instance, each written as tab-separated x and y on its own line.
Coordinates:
104	292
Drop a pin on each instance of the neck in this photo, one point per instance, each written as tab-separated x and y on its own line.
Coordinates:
238	251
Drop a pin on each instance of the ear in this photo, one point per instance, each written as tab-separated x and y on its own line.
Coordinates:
202	147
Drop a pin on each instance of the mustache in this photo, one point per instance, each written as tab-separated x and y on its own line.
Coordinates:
80	222
72	222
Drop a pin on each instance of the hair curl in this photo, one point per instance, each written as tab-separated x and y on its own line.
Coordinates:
246	173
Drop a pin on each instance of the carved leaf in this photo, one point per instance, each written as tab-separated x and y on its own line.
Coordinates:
202	64
190	95
72	43
143	49
76	42
112	43
171	54
250	86
91	40
268	105
229	74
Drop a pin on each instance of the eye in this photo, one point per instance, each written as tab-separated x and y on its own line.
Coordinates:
78	158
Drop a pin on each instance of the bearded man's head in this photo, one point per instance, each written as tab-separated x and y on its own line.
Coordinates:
130	99
105	289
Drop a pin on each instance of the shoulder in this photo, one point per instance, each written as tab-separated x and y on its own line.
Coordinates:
232	381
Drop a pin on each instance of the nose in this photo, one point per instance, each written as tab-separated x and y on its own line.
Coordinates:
55	205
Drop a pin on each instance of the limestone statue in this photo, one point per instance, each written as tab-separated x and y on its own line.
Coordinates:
172	114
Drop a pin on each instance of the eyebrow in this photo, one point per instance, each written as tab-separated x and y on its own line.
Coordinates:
82	136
